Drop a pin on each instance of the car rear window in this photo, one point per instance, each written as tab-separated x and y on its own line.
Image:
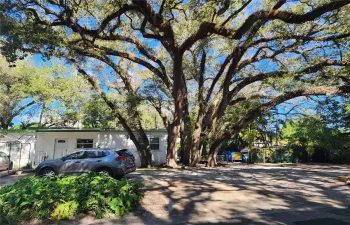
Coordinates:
124	152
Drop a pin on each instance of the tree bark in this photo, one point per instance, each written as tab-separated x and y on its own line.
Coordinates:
182	144
196	143
187	139
196	137
146	149
171	151
214	150
178	95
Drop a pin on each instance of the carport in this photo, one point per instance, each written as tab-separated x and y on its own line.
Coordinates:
19	146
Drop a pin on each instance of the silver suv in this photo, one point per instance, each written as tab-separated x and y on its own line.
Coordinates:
113	162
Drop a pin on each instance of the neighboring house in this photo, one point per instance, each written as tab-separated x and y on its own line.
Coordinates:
54	143
35	146
20	145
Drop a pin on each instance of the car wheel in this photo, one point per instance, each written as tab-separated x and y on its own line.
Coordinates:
105	171
47	172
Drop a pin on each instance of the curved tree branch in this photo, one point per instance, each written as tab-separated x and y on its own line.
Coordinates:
207	28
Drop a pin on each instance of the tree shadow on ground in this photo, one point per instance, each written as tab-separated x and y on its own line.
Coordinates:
240	194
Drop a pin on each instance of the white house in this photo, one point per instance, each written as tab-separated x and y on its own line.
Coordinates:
54	143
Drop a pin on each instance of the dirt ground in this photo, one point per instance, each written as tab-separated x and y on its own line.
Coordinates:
240	194
5	180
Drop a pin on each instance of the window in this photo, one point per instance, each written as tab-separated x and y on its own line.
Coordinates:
95	154
77	155
61	141
85	143
154	142
3	154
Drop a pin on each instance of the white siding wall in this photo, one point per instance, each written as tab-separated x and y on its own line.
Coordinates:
20	146
45	143
105	139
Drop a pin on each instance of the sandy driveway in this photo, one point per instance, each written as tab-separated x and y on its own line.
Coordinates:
240	194
249	194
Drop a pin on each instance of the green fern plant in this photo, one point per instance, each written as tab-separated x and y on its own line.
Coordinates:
63	197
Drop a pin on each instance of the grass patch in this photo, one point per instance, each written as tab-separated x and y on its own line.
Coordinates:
64	197
344	178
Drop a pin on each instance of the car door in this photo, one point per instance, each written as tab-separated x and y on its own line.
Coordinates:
73	163
93	160
4	161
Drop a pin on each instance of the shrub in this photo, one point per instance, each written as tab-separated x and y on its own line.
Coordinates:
64	197
282	155
256	156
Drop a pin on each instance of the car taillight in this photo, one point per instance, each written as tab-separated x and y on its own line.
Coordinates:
122	157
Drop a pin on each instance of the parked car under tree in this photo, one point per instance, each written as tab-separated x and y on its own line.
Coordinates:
113	162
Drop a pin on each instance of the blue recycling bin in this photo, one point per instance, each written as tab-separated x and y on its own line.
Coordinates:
232	156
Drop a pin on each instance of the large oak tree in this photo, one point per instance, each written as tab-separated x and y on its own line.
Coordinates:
200	57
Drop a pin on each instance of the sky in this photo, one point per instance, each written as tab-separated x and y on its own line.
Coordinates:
267	66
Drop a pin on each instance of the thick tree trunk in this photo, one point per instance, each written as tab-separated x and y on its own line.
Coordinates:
146	150
185	145
196	138
196	146
171	152
187	125
178	95
142	156
187	139
214	150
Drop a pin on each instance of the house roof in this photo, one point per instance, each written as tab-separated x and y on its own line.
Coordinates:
68	130
17	131
87	130
65	129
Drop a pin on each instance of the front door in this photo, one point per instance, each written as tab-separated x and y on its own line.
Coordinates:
61	146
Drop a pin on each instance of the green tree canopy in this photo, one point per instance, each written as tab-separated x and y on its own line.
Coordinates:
27	89
203	57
